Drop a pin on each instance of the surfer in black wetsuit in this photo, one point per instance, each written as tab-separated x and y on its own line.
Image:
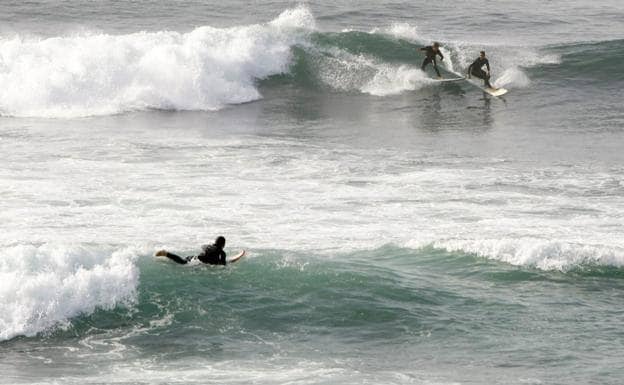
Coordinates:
211	254
476	69
431	51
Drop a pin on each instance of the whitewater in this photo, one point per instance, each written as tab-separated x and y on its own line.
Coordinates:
399	230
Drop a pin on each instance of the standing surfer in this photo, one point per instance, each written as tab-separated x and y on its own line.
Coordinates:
476	69
431	51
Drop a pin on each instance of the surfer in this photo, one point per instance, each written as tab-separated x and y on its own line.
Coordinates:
476	69
211	254
430	56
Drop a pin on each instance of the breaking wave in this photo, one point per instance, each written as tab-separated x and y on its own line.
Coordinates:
210	68
42	287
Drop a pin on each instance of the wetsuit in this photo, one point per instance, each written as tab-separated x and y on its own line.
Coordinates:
476	70
430	57
211	254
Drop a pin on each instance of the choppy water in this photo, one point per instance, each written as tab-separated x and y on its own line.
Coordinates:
399	230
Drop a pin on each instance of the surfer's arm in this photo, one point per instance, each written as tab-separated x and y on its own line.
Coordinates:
470	70
222	258
487	65
440	53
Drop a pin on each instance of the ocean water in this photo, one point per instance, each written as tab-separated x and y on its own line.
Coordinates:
399	230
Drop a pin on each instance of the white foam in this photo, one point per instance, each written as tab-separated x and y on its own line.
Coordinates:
513	77
274	370
341	70
298	18
349	197
95	74
389	80
540	253
44	286
344	71
403	31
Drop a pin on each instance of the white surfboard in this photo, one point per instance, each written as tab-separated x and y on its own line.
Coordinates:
495	91
489	90
236	257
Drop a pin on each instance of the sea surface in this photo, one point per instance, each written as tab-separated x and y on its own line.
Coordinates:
399	230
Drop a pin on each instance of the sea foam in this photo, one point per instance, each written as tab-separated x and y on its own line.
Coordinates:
395	79
44	286
98	74
539	253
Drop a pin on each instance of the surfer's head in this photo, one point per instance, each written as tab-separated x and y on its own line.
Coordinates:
436	45
482	54
220	242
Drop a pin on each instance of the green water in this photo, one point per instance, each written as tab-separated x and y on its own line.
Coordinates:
436	313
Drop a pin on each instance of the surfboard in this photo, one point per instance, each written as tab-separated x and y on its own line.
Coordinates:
448	80
495	91
236	257
491	91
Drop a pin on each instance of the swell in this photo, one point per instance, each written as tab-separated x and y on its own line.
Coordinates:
597	63
377	293
275	292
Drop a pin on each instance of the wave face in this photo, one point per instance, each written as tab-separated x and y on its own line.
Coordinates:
68	290
209	68
594	63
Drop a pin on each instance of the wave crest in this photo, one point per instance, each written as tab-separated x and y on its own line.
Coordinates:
539	253
43	287
204	69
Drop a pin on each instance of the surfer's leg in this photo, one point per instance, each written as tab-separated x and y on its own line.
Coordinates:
176	258
486	79
435	67
481	74
424	63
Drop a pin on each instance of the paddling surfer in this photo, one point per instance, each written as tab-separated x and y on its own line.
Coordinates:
211	254
431	51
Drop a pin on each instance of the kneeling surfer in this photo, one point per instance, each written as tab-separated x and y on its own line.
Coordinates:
211	254
476	69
